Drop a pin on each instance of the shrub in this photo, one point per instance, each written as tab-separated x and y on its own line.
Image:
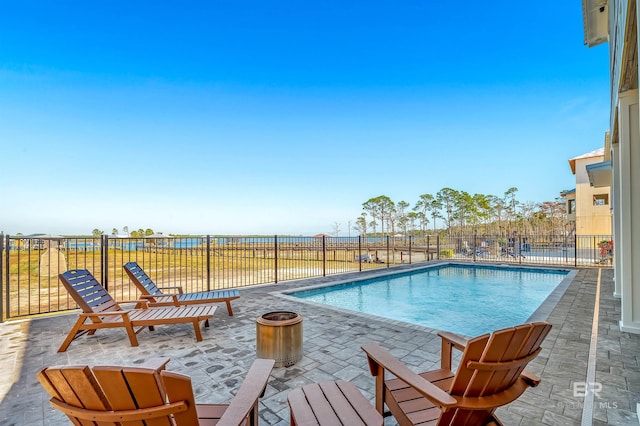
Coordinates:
446	253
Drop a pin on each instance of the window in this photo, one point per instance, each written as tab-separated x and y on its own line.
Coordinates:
600	199
571	206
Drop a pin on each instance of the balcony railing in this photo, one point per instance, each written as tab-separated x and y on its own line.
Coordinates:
30	266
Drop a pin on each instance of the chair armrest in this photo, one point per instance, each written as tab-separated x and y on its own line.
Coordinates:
530	378
246	399
153	298
158	364
459	342
104	317
177	287
450	341
139	304
380	360
105	314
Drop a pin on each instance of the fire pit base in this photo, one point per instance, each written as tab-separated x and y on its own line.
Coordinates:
279	337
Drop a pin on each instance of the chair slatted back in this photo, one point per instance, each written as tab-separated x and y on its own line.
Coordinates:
144	283
491	364
87	292
116	396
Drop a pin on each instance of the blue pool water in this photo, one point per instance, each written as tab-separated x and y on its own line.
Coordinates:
468	300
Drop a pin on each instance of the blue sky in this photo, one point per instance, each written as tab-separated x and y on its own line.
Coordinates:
283	117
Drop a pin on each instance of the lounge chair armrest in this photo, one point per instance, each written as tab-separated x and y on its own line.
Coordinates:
98	317
252	388
105	314
381	359
154	298
139	304
450	341
177	287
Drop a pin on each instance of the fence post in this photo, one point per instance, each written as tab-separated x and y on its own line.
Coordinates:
575	250
388	252
2	240
409	249
475	244
324	256
104	258
275	257
208	262
519	250
359	253
438	247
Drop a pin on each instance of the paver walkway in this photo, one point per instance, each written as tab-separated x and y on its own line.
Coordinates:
332	340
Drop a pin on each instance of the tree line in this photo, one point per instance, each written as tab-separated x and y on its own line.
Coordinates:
140	233
462	213
458	211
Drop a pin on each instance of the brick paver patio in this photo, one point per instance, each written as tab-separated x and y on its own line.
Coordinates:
332	340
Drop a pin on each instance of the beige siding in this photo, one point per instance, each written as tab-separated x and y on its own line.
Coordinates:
591	219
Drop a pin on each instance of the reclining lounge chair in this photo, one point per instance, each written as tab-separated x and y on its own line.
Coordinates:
99	310
156	297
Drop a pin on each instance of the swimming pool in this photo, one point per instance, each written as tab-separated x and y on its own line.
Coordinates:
465	299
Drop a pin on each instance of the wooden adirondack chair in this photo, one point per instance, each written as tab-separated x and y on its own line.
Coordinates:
115	395
101	311
151	292
490	374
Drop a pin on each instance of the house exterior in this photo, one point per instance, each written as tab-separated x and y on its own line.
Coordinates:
616	22
588	207
570	201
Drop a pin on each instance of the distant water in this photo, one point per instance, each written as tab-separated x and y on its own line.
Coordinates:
88	244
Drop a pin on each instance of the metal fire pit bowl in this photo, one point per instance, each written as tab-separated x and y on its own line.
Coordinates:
279	337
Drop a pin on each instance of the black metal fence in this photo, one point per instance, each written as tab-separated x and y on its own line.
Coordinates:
29	267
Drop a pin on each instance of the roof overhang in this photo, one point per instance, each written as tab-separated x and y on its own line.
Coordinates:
595	18
599	174
43	237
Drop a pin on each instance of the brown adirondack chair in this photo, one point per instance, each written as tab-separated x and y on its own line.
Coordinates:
99	310
490	374
115	395
151	292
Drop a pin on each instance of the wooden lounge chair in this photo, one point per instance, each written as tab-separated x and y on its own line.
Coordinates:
99	310
490	374
147	395
156	297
